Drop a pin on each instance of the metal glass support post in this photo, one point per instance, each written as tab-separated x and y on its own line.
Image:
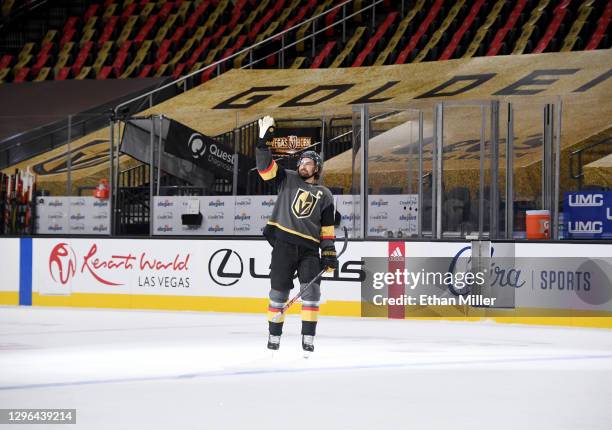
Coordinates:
420	185
111	154
314	29
344	24
410	167
547	159
373	14
159	152
510	173
437	184
236	136
116	161
557	150
69	158
481	174
282	52
363	192
151	173
322	152
494	191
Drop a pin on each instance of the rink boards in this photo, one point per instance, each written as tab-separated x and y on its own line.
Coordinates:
233	276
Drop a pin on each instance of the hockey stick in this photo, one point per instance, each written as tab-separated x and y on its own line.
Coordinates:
308	285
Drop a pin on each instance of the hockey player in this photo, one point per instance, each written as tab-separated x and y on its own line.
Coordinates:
302	222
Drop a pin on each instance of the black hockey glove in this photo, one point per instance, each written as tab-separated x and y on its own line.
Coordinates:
329	260
266	131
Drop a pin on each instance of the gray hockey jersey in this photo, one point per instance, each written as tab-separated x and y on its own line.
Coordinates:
303	213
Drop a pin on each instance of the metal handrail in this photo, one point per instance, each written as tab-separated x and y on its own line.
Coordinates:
252	47
20	10
578	152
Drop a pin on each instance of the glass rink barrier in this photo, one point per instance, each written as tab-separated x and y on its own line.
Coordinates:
54	175
507	168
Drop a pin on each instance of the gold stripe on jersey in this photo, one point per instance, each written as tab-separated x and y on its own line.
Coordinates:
269	172
327	231
288	230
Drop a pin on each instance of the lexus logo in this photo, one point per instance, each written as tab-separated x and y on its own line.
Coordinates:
222	263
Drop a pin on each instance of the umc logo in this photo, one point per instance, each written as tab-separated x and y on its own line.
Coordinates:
222	267
304	203
196	145
591	227
588	200
62	263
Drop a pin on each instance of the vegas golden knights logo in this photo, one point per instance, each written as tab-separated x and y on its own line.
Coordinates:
304	203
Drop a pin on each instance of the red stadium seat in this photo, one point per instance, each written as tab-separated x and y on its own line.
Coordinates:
104	72
92	10
330	18
146	71
22	75
559	15
119	63
239	42
144	31
207	74
178	70
300	16
255	29
236	13
82	57
178	35
414	40
195	16
165	10
71	23
6	61
219	32
452	46
108	31
67	37
501	34
325	52
63	74
127	12
195	56
374	39
40	63
43	57
602	25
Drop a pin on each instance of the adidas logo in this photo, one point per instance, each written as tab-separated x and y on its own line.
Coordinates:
396	253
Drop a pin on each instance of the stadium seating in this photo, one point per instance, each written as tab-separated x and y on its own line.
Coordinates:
144	38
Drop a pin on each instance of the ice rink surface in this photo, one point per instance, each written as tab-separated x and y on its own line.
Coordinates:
186	370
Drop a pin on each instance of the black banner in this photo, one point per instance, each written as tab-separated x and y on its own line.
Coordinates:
200	149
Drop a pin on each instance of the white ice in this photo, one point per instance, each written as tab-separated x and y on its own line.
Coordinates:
188	370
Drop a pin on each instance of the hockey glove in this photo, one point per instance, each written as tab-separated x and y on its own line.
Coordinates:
329	260
266	130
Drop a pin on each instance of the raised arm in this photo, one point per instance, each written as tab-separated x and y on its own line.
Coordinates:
266	166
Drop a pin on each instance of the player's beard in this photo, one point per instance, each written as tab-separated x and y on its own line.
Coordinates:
304	174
